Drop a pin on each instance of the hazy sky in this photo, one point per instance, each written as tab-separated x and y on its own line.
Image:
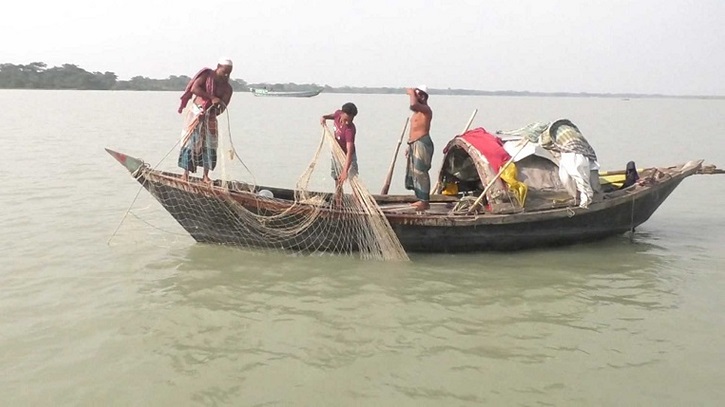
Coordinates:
640	46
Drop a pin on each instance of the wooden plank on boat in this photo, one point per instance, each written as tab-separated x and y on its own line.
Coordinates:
412	198
710	170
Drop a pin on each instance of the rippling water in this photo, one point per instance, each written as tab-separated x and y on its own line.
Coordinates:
152	318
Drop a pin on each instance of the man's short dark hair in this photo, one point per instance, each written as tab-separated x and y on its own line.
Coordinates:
349	108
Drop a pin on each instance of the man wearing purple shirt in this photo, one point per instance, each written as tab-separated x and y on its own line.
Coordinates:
345	135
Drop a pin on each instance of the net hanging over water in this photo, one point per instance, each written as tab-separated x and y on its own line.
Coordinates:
233	212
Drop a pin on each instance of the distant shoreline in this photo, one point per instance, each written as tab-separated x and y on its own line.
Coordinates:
37	75
438	92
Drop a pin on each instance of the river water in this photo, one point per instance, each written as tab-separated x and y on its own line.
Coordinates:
92	314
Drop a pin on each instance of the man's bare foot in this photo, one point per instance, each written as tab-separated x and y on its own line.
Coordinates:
185	177
421	205
337	200
206	180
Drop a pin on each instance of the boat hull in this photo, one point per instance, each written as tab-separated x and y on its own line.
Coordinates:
210	214
213	216
579	226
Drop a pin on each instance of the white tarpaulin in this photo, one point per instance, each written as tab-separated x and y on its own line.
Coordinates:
512	147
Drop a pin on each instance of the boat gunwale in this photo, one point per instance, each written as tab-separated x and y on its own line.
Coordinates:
250	199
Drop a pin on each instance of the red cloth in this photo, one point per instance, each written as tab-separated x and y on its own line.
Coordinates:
489	145
344	132
188	91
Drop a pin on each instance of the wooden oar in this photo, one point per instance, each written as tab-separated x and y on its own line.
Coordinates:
468	125
617	172
389	177
706	170
500	171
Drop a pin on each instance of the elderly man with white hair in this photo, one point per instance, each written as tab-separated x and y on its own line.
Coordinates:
211	93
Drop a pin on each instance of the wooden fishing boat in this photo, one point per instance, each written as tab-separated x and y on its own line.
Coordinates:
547	218
292	94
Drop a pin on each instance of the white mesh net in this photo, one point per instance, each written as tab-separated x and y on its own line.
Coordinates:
232	212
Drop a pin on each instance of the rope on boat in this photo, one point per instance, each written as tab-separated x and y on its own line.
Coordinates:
631	224
138	192
233	150
158	228
123	218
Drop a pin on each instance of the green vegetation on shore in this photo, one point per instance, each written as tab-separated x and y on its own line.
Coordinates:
38	75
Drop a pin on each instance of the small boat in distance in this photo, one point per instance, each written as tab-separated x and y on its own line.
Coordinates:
293	94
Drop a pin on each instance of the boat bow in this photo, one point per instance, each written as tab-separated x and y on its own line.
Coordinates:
132	164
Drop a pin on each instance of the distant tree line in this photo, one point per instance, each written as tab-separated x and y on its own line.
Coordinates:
37	75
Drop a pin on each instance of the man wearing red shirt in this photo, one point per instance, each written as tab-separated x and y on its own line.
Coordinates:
345	136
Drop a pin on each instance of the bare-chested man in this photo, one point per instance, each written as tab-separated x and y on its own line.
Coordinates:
420	147
199	139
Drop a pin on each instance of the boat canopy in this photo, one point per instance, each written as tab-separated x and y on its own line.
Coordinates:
472	161
536	166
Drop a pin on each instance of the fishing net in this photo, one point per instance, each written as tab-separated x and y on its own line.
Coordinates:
229	211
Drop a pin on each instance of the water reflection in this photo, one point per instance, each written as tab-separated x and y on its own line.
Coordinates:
249	316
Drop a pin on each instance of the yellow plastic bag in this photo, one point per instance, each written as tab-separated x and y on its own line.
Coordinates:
451	189
518	188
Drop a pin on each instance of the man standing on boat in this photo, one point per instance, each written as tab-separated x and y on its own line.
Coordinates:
211	92
345	132
420	147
